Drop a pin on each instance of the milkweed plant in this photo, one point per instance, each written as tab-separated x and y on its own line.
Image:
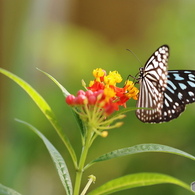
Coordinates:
98	108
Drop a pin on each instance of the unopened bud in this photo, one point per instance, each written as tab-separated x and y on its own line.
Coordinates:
104	133
70	99
118	124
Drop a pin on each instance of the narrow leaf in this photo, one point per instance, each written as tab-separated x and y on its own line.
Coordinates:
7	191
137	180
44	107
57	159
64	91
140	149
80	123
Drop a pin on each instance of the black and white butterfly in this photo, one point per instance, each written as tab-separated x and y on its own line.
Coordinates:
165	92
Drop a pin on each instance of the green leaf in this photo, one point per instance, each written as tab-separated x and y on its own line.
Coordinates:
44	107
66	93
57	159
80	123
7	191
137	180
140	149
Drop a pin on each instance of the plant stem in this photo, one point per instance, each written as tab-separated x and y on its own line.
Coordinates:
92	179
79	171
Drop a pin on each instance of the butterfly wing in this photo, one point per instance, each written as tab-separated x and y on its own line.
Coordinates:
153	82
180	90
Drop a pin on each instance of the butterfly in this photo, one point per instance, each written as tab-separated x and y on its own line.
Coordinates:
164	92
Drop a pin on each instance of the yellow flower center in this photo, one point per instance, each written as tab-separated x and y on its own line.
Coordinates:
109	93
131	90
98	72
112	78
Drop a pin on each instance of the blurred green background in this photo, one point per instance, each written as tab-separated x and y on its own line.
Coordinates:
68	39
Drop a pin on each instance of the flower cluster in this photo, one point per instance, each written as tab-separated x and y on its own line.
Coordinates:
103	91
102	96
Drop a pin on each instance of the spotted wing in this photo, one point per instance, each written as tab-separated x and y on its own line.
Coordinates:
180	91
153	82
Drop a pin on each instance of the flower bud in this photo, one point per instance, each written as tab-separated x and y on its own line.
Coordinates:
92	99
104	133
80	92
70	99
89	93
80	99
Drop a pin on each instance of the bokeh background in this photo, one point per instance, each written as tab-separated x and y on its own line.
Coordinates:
68	39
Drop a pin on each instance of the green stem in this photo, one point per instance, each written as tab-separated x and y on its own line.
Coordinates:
81	165
92	179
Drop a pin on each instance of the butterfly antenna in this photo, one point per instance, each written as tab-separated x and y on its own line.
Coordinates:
135	56
134	77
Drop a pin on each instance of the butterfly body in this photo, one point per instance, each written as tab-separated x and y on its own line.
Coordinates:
163	94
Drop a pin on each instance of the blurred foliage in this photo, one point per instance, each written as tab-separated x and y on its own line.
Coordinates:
68	39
